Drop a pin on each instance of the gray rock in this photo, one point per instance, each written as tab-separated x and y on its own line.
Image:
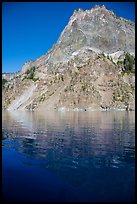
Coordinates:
98	29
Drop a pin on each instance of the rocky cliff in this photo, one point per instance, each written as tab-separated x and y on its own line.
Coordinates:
91	67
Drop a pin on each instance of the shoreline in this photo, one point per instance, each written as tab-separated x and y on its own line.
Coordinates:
65	109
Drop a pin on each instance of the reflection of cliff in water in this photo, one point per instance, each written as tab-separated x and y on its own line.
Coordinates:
87	138
54	120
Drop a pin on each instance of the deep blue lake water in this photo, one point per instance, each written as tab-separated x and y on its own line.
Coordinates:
68	156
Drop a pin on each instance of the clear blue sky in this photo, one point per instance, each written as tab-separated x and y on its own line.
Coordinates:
29	29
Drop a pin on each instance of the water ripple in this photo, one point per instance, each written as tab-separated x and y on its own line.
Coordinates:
83	149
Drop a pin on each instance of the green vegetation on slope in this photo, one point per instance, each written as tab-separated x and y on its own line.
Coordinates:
128	65
30	73
4	81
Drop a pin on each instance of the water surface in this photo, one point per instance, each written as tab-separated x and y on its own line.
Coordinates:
68	156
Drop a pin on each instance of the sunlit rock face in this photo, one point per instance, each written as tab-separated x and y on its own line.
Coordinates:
84	70
99	29
8	76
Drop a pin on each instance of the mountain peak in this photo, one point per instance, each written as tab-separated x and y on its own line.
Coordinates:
97	28
81	69
96	10
98	7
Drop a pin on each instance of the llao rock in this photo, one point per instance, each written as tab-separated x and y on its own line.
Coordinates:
80	72
98	28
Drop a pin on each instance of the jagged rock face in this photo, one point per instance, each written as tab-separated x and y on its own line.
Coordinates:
8	76
99	29
91	82
75	74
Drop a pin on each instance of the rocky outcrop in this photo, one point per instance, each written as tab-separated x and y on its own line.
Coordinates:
8	76
98	29
83	70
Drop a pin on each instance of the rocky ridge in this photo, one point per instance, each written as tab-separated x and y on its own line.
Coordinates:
82	70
